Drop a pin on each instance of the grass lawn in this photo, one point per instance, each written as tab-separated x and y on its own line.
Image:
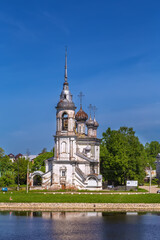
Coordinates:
86	191
21	197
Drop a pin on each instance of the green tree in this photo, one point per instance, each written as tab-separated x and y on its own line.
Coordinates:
6	170
20	169
44	150
122	156
6	164
152	149
1	152
7	179
39	161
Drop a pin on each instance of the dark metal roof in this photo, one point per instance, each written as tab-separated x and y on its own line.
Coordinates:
65	104
81	115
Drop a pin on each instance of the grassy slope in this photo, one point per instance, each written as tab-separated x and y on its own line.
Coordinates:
82	198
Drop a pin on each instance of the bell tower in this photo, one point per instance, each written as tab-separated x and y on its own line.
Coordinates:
65	138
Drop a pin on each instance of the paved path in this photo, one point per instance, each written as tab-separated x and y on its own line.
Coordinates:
154	188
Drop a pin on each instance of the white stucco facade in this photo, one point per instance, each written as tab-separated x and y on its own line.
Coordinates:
76	160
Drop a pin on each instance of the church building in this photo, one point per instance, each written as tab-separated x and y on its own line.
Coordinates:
76	161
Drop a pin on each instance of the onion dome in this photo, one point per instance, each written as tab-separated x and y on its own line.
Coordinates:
90	122
81	115
96	124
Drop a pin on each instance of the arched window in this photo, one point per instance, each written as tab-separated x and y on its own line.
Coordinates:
65	122
64	147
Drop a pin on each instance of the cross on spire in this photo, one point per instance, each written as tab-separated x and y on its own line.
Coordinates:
90	107
65	75
81	95
94	110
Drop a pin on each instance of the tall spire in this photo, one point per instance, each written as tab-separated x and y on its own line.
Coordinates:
65	75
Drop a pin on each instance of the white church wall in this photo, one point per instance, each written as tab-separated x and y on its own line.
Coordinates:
97	152
92	182
58	176
82	167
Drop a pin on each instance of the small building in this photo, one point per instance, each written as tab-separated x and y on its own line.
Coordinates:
11	157
30	157
19	155
149	173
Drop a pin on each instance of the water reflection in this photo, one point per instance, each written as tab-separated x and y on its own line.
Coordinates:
53	215
79	225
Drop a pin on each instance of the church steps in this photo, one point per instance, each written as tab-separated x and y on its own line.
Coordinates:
81	155
80	173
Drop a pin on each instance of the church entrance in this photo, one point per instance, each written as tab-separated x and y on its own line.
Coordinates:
37	181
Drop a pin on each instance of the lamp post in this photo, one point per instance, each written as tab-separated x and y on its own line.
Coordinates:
150	180
27	175
18	175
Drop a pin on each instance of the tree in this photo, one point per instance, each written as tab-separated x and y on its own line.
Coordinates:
44	150
20	168
152	149
1	152
6	164
7	179
122	156
6	170
39	162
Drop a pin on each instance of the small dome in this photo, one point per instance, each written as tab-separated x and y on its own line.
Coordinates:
88	148
90	122
81	115
96	124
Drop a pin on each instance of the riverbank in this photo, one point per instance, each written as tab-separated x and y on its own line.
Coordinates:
106	207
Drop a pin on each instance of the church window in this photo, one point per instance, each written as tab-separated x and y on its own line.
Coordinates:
65	122
63	173
64	96
64	147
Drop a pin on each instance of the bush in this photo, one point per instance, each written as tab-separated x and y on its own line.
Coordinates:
7	180
155	181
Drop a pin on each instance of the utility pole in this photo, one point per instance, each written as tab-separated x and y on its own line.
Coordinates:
18	174
150	180
27	175
27	153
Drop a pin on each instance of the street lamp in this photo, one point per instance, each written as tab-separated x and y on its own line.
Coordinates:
18	175
150	177
27	175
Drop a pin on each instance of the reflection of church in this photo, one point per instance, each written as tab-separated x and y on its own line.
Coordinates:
76	159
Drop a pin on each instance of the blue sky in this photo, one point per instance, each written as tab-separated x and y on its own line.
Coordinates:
113	57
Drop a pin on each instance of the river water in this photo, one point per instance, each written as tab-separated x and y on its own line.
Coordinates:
79	225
